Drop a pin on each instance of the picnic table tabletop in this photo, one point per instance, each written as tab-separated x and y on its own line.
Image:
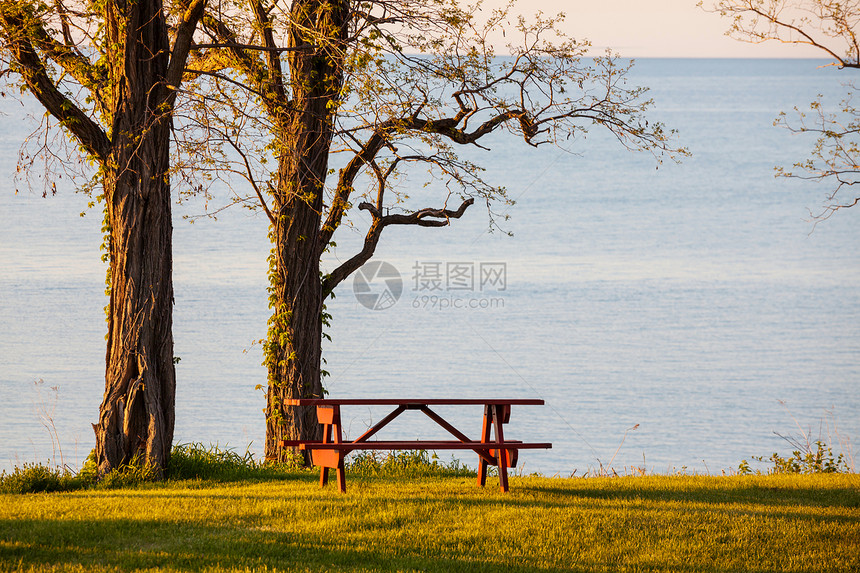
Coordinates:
407	401
330	452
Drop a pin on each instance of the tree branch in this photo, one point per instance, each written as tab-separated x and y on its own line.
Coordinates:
68	57
273	60
253	47
448	126
836	12
834	156
181	47
423	218
249	176
32	69
249	66
64	21
345	186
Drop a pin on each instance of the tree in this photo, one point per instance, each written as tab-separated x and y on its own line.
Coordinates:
829	27
344	98
106	73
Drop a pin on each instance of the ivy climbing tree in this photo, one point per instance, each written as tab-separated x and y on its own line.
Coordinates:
107	73
324	106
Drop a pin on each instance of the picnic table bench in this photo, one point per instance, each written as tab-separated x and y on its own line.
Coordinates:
492	451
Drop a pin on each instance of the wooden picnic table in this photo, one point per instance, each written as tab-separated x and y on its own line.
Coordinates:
492	451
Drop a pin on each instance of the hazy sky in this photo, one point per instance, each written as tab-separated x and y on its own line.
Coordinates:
656	28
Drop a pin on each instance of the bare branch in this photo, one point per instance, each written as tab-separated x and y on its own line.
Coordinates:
249	176
829	27
795	22
422	218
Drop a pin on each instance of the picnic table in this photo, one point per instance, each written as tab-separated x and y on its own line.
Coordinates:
492	451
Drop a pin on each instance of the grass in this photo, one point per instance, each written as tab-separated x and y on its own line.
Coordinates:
655	523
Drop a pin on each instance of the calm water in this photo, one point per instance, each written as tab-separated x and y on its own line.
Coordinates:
691	300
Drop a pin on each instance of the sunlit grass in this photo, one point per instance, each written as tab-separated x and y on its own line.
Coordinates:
659	523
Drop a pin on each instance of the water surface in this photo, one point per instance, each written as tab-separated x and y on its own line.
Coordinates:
692	301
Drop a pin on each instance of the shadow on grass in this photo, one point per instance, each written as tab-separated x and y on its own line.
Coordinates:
138	545
846	496
559	492
787	500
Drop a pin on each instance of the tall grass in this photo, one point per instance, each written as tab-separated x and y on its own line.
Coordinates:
196	461
36	478
187	462
406	464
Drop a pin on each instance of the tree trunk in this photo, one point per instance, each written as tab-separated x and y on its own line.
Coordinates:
136	417
295	331
293	349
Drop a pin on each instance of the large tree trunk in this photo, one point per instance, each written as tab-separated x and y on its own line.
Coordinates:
136	417
295	331
293	350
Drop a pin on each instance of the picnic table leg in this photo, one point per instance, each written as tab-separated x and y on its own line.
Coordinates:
501	454
341	473
329	417
326	440
485	437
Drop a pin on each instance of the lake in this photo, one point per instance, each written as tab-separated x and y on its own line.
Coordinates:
694	302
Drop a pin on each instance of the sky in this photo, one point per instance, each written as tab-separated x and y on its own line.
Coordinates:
656	29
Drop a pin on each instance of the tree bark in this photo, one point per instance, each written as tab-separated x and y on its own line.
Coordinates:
294	348
294	345
136	417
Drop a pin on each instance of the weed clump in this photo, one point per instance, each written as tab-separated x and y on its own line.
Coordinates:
819	459
132	474
187	462
38	478
407	464
198	462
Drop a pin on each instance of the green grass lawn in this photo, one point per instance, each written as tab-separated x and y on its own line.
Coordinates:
659	523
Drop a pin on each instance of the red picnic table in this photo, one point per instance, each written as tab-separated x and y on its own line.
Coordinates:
331	451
